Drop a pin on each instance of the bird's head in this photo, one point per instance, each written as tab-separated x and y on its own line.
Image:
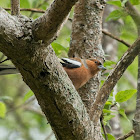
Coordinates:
96	65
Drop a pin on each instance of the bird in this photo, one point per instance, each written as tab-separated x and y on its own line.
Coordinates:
80	71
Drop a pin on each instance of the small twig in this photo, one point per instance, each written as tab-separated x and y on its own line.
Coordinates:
113	105
127	135
29	9
116	38
15	7
39	5
104	130
4	60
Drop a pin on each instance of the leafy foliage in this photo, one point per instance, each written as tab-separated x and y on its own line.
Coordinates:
116	14
123	96
28	95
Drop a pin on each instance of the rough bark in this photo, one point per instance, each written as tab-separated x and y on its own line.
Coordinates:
131	10
136	120
110	47
112	79
45	76
46	27
86	42
15	7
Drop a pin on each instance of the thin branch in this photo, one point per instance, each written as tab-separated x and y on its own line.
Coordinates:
104	130
38	6
4	60
116	38
28	9
15	7
46	27
127	135
113	78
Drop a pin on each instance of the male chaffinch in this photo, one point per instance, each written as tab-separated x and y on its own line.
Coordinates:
78	70
81	70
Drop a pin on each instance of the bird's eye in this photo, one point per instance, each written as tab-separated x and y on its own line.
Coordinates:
96	62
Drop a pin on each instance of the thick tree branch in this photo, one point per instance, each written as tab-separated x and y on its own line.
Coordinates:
112	79
86	41
116	38
45	27
43	73
15	7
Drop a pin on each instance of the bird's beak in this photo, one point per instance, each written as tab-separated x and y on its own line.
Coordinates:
101	67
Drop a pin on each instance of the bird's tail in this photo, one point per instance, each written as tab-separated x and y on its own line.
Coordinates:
6	69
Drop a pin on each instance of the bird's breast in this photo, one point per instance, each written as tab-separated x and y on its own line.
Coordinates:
78	76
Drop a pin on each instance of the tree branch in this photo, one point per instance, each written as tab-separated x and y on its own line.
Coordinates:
15	7
38	6
46	27
43	73
135	14
28	9
112	79
116	38
127	135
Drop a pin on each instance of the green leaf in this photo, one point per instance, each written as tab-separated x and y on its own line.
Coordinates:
108	117
25	3
115	15
123	96
135	2
58	48
108	103
122	112
28	95
108	111
109	63
2	110
68	39
116	3
110	137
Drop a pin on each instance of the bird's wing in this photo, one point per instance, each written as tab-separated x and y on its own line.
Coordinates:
70	63
6	69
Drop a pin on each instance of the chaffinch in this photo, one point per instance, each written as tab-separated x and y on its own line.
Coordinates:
81	70
78	70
